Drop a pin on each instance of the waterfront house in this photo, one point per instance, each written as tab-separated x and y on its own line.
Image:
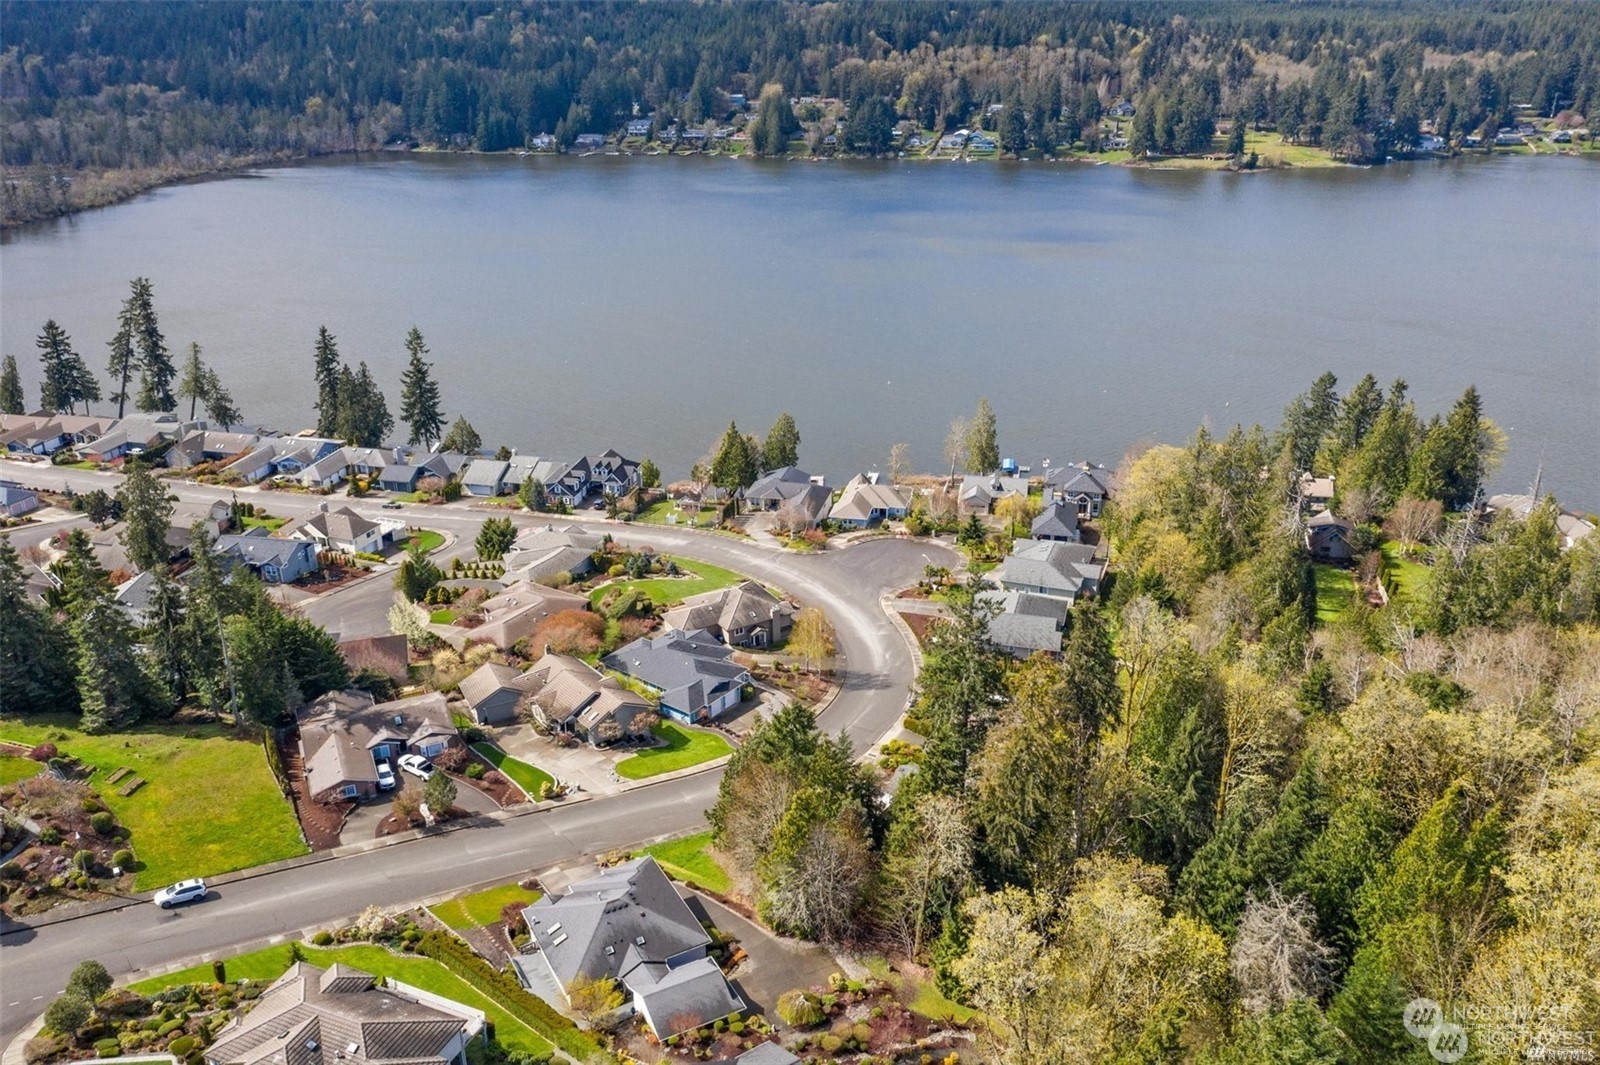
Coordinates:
484	477
628	924
692	673
611	473
589	142
638	127
134	435
33	434
1045	567
981	491
1086	484
864	502
281	456
1316	493
1057	521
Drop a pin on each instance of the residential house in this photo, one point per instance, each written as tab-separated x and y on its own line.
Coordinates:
209	445
1121	109
541	142
134	597
692	673
32	434
541	553
629	924
638	127
1057	521
134	435
338	466
513	614
980	492
565	694
341	529
1084	483
273	560
15	500
1571	525
589	142
344	735
399	477
281	456
1045	567
1316	493
387	656
1026	622
611	473
864	502
216	516
484	477
520	470
1328	538
790	488
312	1016
493	694
772	1053
745	615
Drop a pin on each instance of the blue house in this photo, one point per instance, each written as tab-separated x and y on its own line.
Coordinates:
692	673
274	561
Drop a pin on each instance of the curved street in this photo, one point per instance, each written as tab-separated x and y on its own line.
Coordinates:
875	656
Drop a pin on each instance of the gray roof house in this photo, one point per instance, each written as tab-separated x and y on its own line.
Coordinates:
1065	571
865	502
484	477
745	615
776	487
15	501
312	1016
629	924
134	596
1328	537
981	491
568	695
275	561
134	435
1057	521
340	529
514	613
1026	622
1085	483
766	1054
493	694
281	456
344	735
692	672
540	553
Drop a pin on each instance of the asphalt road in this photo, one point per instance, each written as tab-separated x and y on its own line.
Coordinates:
846	583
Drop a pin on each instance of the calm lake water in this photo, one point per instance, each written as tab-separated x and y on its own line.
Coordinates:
576	304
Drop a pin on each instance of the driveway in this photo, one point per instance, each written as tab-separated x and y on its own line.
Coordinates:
773	965
363	823
589	769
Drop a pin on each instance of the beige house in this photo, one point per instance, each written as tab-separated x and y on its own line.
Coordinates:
344	735
513	614
745	615
567	695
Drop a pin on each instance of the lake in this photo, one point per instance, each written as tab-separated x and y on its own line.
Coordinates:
577	304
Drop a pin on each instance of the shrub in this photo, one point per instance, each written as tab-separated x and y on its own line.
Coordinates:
799	1009
50	835
475	771
322	938
103	823
44	752
67	1013
471	734
11	871
122	1003
832	1044
108	1048
123	860
169	1027
90	979
182	1045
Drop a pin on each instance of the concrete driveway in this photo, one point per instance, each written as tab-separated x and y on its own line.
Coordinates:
363	823
773	966
591	770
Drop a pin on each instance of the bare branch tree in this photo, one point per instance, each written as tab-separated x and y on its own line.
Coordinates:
1276	956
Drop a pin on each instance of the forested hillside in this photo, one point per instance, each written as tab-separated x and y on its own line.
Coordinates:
1241	819
98	98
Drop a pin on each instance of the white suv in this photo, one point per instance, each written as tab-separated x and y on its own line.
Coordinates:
183	891
386	780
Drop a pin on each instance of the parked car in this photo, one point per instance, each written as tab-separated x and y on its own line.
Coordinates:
598	504
386	780
393	504
416	765
181	892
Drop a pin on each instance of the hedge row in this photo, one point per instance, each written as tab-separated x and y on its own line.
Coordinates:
504	989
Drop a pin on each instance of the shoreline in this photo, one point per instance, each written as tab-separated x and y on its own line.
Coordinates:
115	187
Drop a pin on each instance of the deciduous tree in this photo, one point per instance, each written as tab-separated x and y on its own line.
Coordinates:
981	447
811	637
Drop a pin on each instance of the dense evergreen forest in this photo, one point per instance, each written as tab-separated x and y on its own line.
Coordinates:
1240	820
97	98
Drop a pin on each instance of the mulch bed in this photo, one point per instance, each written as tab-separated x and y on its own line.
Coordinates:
332	577
494	783
321	822
921	625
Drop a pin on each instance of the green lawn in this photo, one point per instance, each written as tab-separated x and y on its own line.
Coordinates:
267	522
525	776
443	616
664	591
1406	578
429	539
421	972
690	859
656	514
919	996
13	769
1335	589
481	907
209	805
684	748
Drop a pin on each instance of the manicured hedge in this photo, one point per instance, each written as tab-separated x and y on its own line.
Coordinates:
530	1009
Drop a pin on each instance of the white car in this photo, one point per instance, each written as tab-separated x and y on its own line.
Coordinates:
386	780
416	765
181	892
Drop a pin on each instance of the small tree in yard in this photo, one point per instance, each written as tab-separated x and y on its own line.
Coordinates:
90	979
496	538
408	803
439	793
593	999
812	637
69	1012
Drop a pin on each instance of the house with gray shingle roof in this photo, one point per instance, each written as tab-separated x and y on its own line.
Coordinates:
864	502
275	561
1025	622
1084	484
484	477
1057	521
514	613
565	694
745	615
629	924
979	492
340	529
344	735
766	1054
338	1016
693	674
15	501
1065	571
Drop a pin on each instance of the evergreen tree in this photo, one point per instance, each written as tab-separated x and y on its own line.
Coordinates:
1013	125
983	451
1236	137
364	418
115	687
35	654
147	517
124	358
156	371
462	437
649	473
12	401
775	122
66	378
327	370
1144	141
419	394
1308	418
733	467
219	402
192	379
782	446
165	634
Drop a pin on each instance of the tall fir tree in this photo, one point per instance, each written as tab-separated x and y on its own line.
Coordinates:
364	418
733	466
192	379
66	378
156	372
419	394
219	402
327	372
12	401
35	654
782	446
147	518
116	689
124	357
462	437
